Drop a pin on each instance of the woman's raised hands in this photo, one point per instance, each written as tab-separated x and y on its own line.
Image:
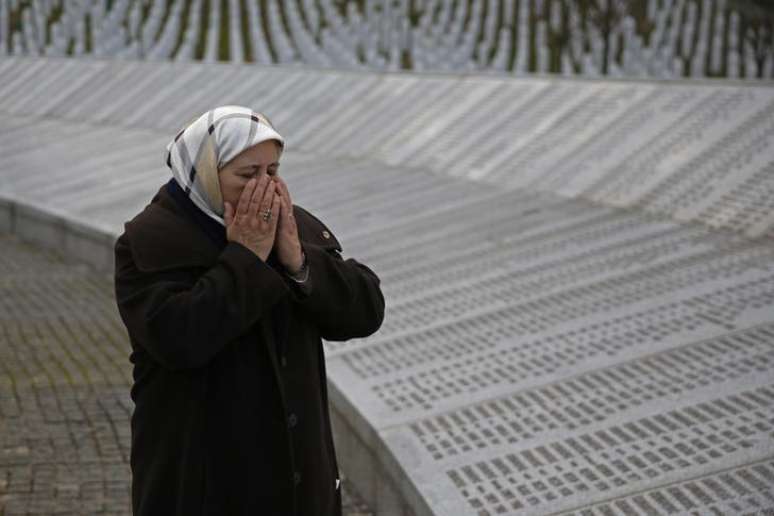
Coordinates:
248	226
288	244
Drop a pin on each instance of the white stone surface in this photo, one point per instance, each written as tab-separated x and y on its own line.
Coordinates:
579	274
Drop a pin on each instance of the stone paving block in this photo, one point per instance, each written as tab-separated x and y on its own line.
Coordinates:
64	401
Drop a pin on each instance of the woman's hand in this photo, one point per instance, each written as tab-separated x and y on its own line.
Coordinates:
248	226
288	244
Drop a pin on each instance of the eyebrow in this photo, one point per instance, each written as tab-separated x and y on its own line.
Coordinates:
258	164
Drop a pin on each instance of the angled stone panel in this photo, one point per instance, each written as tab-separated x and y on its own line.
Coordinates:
579	275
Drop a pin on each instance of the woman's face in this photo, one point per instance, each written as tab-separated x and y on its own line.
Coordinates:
254	161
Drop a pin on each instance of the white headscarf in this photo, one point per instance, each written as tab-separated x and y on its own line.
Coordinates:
201	149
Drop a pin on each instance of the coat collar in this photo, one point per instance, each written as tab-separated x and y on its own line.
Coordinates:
163	236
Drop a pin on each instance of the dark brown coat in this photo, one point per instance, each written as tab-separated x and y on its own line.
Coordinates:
229	420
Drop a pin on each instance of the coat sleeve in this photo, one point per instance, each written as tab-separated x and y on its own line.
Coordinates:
342	297
183	323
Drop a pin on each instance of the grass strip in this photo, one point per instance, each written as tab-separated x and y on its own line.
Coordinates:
204	20
15	22
144	10
266	33
164	19
285	24
56	14
245	24
223	33
87	43
184	17
302	13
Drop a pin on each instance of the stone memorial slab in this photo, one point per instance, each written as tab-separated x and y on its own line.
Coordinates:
578	274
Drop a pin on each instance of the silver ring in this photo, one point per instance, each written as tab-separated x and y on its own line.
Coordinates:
267	215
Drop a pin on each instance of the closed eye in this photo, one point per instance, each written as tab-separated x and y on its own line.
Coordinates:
272	172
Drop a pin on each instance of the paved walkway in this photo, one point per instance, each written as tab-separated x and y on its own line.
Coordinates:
64	390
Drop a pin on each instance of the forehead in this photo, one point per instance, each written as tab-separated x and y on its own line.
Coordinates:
260	153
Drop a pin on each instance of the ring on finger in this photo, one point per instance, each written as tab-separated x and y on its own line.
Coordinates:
266	215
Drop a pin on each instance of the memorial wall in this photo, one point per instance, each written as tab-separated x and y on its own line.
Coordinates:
579	274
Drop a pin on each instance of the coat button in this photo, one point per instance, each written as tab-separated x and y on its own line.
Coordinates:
292	420
297	477
326	234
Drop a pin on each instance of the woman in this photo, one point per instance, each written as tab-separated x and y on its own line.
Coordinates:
226	289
